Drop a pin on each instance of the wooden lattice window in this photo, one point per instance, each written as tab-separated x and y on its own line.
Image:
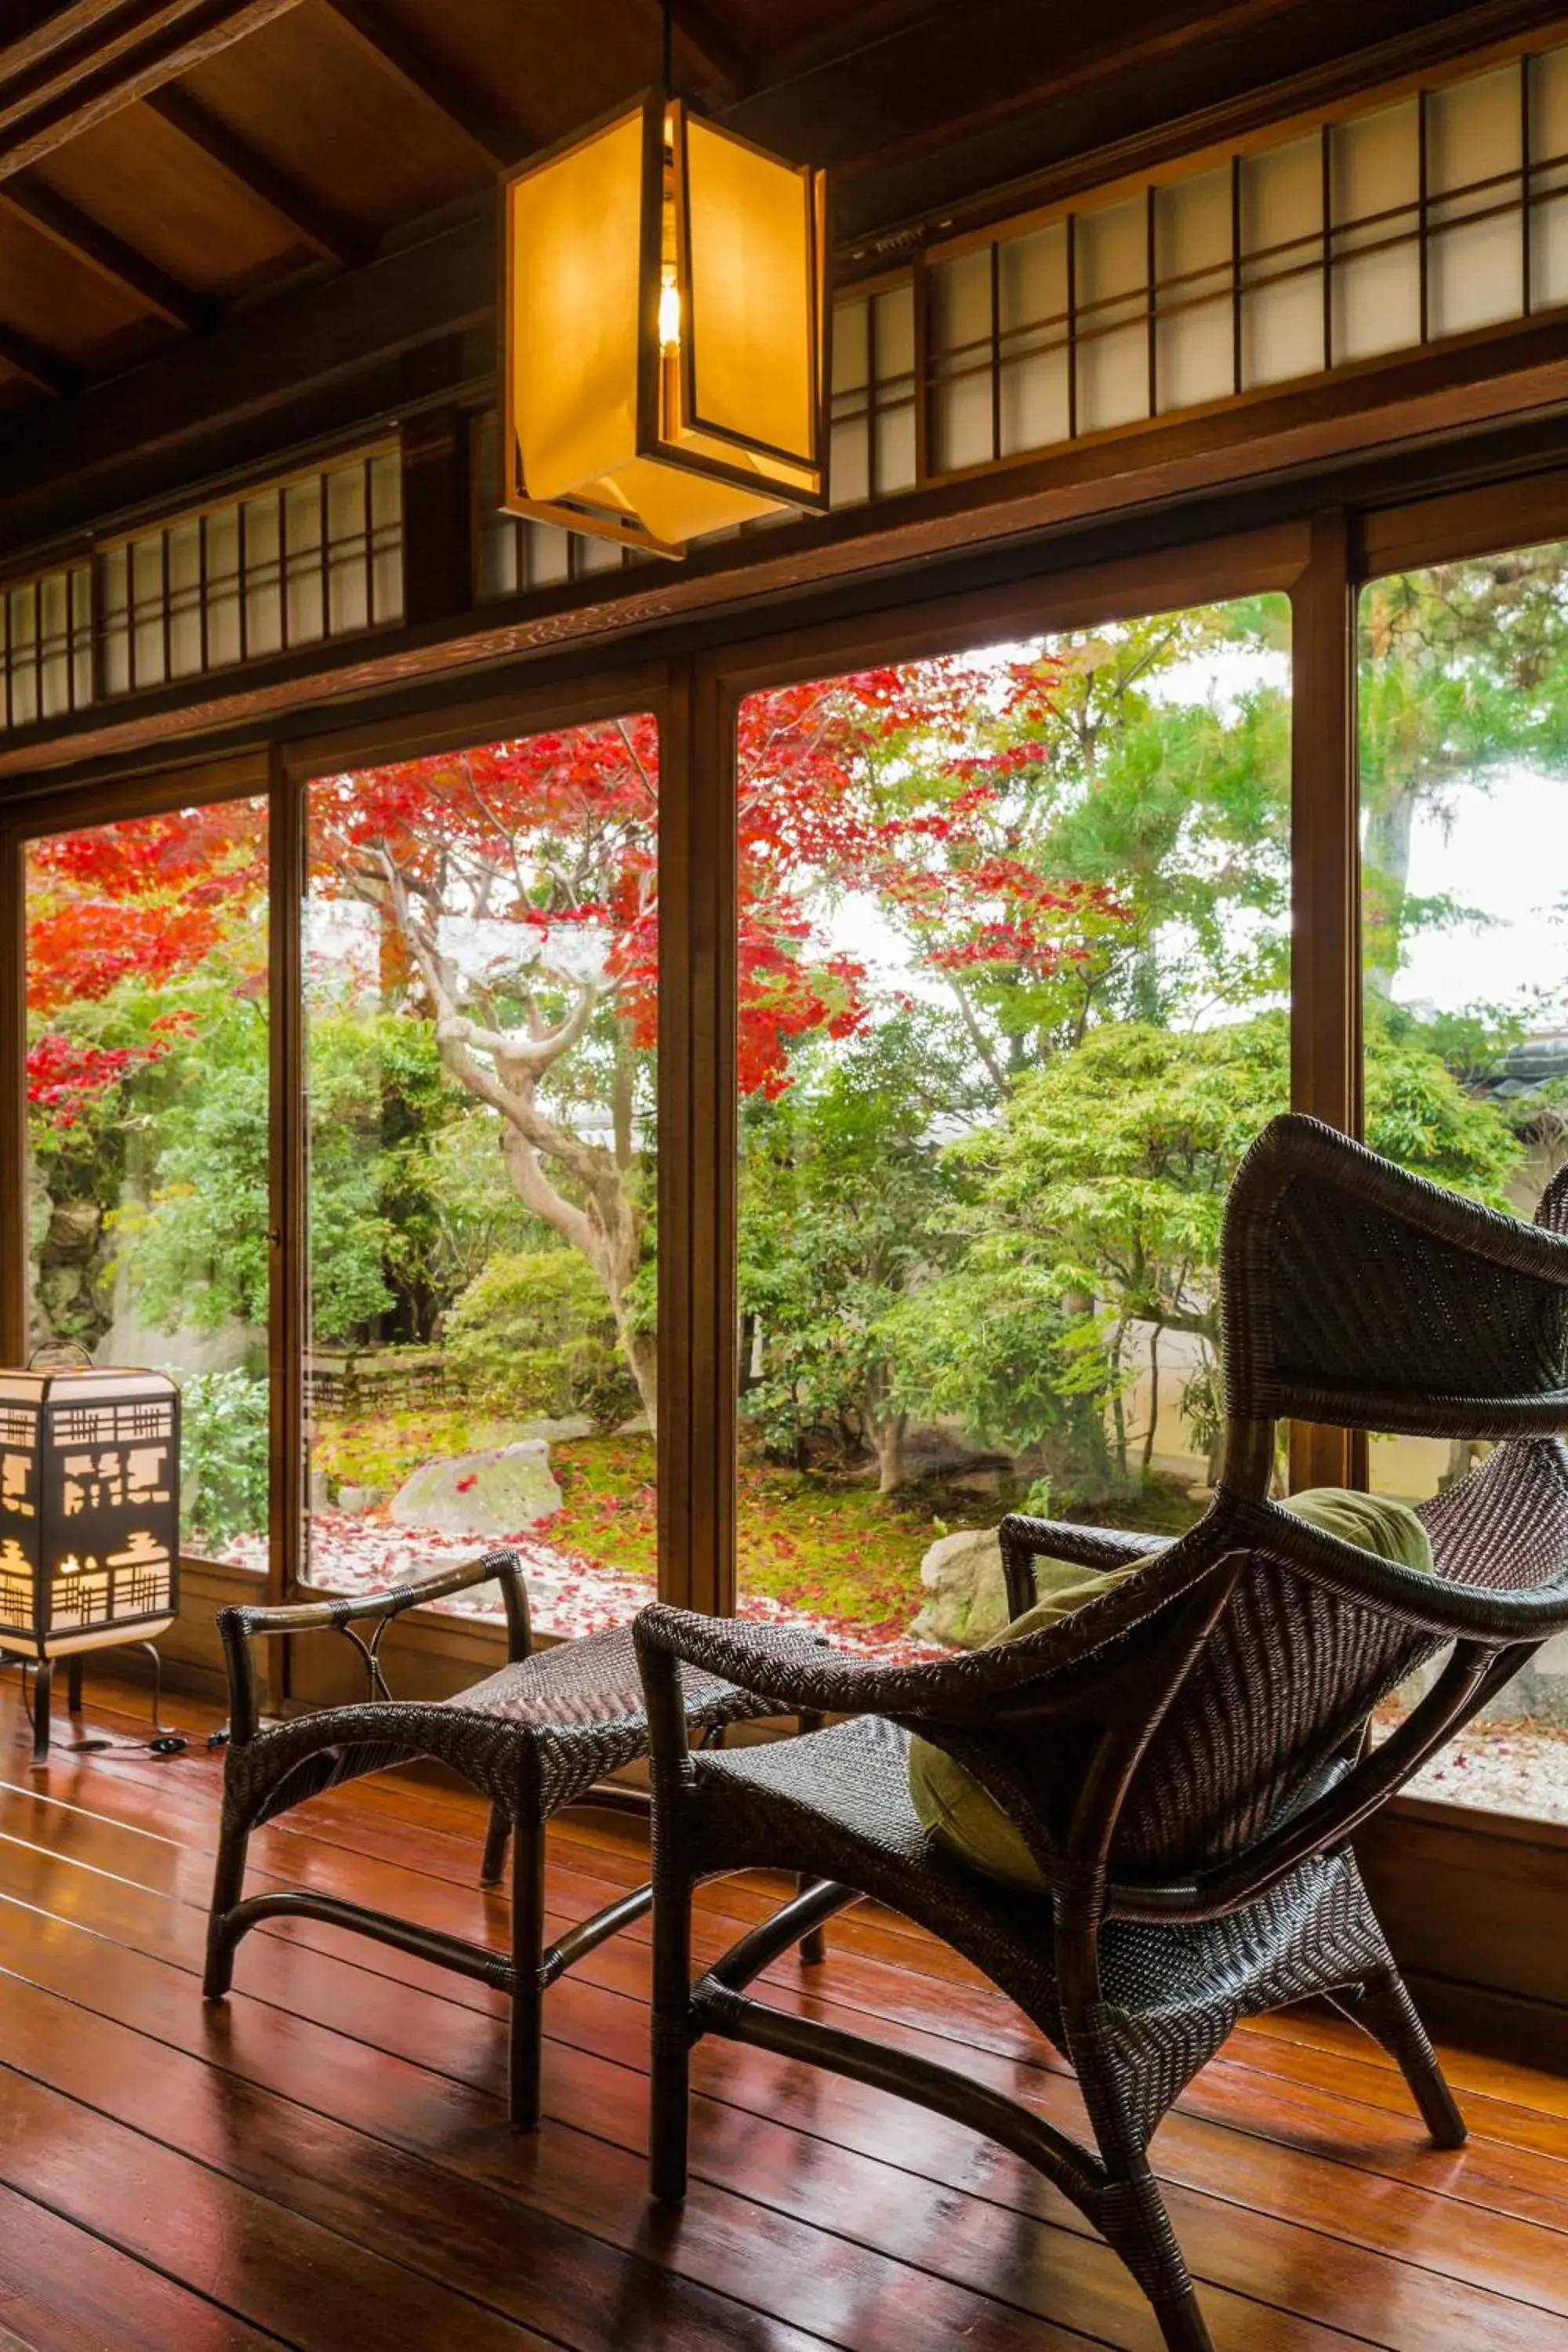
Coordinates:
1442	211
291	563
297	562
46	645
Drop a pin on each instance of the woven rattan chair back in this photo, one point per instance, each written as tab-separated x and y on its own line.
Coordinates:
1360	1296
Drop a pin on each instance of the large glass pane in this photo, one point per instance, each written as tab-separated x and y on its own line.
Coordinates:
480	997
1464	802
1014	999
147	1103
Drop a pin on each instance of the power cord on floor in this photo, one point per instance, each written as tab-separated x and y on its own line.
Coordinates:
167	1739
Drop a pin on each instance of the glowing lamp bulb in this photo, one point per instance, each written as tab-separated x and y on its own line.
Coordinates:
669	314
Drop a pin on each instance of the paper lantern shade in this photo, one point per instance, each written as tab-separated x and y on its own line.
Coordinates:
663	331
90	1510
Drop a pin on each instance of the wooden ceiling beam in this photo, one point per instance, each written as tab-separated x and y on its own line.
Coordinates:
99	56
326	354
423	78
932	118
727	72
311	220
43	369
331	351
131	273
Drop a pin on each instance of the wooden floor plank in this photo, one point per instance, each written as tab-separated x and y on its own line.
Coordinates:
340	2119
1468	2071
268	2265
63	2290
1450	2319
1303	2116
962	2233
393	2209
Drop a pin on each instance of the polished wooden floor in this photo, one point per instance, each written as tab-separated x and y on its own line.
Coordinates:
324	2162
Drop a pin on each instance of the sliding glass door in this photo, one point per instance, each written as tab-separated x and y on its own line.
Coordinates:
481	1044
1463	698
1014	997
147	1090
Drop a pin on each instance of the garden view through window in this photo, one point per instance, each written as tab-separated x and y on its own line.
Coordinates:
1015	975
147	1130
1464	810
481	946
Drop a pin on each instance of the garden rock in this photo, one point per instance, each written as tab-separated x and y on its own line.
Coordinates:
1540	1693
1537	1694
73	1228
933	1449
359	1500
497	1492
967	1599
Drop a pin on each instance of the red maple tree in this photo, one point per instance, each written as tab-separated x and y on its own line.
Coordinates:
150	899
512	893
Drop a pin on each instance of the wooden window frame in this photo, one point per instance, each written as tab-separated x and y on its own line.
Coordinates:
1320	560
699	666
521	711
1214	570
245	777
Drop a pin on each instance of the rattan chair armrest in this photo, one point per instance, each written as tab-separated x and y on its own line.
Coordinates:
239	1627
776	1661
1496	1617
805	1675
1024	1539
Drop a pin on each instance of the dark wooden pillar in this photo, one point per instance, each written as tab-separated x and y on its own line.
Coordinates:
698	1141
288	1317
13	1332
437	550
1325	898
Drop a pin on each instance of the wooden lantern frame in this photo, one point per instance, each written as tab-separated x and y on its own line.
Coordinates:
671	430
76	1433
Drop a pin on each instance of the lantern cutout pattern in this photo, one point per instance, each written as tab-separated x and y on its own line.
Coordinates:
89	1516
664	332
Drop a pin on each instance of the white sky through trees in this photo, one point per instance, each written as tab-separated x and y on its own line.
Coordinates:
1502	848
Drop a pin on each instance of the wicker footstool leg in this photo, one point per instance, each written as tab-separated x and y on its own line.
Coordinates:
228	1885
813	1947
492	1869
527	2039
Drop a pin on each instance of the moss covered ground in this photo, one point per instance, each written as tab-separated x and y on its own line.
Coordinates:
831	1545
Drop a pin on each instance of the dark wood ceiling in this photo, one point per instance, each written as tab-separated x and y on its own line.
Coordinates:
169	166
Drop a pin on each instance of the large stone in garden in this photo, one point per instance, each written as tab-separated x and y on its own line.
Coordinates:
73	1228
495	1494
967	1594
1539	1693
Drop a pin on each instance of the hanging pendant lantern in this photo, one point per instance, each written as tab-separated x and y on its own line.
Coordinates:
664	332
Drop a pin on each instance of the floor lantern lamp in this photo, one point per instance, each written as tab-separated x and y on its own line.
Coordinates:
89	1518
664	331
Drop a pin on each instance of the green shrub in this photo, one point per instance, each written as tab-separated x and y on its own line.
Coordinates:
223	1457
533	1334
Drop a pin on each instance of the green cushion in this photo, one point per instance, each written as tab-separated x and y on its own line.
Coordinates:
966	1819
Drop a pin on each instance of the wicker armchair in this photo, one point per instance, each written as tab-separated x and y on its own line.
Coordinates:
1187	1756
539	1735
